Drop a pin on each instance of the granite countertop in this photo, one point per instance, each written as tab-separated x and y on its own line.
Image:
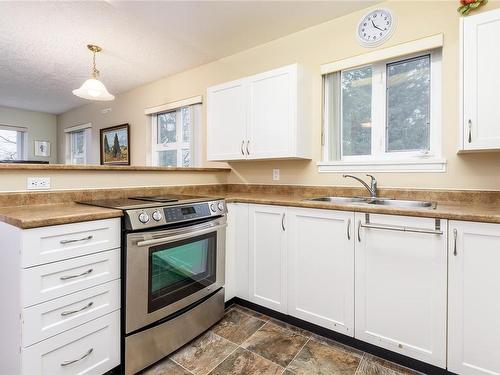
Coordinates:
41	215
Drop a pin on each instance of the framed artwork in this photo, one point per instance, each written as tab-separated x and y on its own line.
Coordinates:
115	145
42	148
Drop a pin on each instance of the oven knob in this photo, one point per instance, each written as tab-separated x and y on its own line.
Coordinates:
212	207
143	217
220	206
157	215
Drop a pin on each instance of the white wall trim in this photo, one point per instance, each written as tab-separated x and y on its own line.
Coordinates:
13	128
78	127
425	165
173	105
431	42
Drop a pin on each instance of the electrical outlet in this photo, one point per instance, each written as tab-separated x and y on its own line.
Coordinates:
38	183
276	174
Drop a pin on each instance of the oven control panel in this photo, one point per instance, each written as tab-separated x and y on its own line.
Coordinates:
150	217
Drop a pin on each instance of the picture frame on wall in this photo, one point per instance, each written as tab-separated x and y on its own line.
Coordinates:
42	148
115	145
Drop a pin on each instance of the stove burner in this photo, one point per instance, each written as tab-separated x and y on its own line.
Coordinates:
161	199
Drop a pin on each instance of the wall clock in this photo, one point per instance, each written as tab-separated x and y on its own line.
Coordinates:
376	27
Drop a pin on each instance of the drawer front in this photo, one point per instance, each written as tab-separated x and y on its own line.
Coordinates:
61	314
43	283
92	348
59	242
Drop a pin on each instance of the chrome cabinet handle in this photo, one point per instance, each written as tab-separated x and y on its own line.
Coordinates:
283	221
401	229
157	241
455	235
66	363
359	230
71	312
241	148
470	130
349	229
75	276
248	144
64	242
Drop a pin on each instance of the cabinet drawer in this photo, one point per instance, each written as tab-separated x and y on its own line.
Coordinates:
43	283
92	348
59	242
53	317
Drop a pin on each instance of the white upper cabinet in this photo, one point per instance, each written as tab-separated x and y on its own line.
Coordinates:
267	256
227	121
474	306
258	117
400	288
480	81
321	267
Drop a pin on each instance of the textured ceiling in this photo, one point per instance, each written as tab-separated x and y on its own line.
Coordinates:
43	55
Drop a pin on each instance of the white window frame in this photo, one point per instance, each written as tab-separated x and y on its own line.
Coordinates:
380	160
21	141
87	132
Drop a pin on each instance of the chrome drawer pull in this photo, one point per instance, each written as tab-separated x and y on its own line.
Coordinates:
349	229
470	131
241	148
359	231
66	313
74	276
455	234
283	222
64	242
66	363
402	229
248	151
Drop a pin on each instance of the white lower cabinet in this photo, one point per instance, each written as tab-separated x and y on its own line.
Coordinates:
267	256
401	279
474	303
89	349
321	267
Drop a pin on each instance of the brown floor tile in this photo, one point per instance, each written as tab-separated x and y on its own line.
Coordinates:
243	362
237	326
372	365
253	313
320	359
275	343
204	353
291	327
335	344
166	367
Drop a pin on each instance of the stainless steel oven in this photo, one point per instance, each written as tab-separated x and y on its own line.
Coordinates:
168	270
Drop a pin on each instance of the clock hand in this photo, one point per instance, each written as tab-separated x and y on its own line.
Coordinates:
375	26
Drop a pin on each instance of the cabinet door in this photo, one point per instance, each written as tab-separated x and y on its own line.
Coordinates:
237	251
474	306
401	286
226	121
272	116
481	61
267	261
321	268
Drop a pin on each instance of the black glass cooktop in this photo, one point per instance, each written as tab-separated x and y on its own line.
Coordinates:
143	202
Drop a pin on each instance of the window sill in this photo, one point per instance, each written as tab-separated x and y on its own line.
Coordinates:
414	165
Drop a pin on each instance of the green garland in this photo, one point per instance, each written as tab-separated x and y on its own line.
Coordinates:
467	6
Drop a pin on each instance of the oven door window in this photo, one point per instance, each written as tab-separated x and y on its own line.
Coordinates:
179	269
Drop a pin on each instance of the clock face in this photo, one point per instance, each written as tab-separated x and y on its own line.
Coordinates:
376	27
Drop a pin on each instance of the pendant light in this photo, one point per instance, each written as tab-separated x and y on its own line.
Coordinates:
92	88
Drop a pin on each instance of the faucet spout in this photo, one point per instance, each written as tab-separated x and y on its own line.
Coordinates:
372	188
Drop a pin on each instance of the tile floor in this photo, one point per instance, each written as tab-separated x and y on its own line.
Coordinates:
249	343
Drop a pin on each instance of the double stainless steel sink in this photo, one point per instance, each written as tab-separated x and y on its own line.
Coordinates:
376	201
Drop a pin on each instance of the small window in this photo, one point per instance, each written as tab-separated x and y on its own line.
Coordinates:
78	141
12	143
383	112
173	137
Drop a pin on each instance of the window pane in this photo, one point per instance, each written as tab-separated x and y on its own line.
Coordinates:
356	111
78	147
167	158
408	105
8	145
167	132
186	157
186	124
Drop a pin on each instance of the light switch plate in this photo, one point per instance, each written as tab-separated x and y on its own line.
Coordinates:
38	183
276	174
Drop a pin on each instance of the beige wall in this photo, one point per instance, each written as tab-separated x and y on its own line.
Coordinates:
41	127
312	47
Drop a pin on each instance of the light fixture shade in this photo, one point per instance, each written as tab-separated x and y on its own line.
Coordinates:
93	89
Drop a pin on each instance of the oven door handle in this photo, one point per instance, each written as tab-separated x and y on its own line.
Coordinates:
179	237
